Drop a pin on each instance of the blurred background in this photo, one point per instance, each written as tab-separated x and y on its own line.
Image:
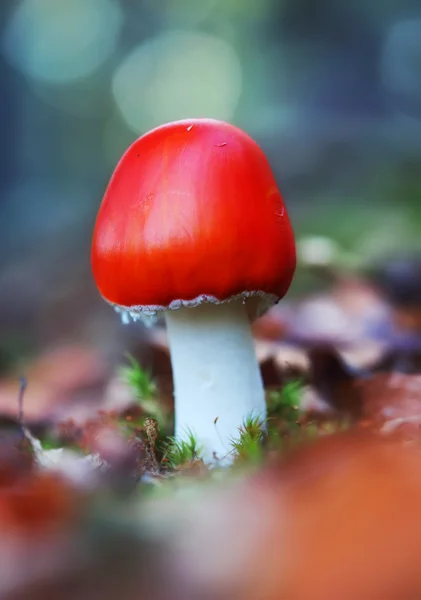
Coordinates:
331	90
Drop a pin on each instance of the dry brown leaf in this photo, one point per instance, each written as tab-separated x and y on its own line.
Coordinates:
391	398
36	502
70	374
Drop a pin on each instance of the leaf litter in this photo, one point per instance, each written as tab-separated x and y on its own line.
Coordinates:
323	502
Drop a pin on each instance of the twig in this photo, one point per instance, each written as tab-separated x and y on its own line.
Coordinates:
22	388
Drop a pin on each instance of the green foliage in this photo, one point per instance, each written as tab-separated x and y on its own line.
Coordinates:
139	380
249	445
284	404
49	443
178	452
144	389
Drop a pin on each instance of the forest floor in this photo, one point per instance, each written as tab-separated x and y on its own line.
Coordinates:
98	500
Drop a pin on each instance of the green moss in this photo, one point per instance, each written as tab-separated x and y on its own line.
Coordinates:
249	446
145	391
177	452
284	405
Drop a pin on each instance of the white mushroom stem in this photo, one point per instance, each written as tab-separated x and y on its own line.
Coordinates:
217	380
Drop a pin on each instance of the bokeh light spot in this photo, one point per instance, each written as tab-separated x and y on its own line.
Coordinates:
177	75
59	41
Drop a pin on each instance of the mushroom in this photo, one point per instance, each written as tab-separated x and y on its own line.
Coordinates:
192	224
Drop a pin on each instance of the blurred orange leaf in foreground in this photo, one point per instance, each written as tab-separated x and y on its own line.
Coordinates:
346	522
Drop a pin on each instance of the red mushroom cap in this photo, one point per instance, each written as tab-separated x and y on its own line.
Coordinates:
192	212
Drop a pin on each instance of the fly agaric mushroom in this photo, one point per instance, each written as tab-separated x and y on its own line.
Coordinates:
192	224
